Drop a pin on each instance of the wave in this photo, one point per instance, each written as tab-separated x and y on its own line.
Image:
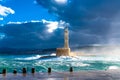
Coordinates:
53	54
113	67
82	58
30	58
63	63
53	57
77	64
96	58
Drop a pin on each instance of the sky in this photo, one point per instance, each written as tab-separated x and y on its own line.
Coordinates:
40	23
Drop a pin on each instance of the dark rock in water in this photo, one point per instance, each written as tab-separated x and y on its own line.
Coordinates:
48	57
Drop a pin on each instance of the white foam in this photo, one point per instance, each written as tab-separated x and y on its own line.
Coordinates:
30	58
53	54
77	58
113	67
77	64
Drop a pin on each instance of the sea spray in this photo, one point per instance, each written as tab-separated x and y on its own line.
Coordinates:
58	64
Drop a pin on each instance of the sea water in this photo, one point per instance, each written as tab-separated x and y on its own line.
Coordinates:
58	64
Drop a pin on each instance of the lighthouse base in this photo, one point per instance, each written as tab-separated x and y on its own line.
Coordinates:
64	52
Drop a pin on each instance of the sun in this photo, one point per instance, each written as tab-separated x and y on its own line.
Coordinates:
61	1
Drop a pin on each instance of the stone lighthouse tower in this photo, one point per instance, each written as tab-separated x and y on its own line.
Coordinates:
66	38
65	51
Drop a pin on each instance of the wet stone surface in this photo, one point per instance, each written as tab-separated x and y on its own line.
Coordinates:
82	75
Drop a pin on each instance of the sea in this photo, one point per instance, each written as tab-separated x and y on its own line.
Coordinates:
41	62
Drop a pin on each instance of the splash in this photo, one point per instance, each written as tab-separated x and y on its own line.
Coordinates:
113	67
30	58
53	54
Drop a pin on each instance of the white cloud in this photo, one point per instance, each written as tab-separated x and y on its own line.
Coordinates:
35	2
53	25
2	36
4	11
50	25
1	19
61	1
15	22
33	21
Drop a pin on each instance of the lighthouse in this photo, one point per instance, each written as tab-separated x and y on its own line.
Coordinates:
66	38
65	51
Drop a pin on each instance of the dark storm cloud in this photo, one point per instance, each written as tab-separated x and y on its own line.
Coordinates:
90	20
28	35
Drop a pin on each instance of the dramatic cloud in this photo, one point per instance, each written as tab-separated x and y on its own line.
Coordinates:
90	20
4	11
114	33
34	34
